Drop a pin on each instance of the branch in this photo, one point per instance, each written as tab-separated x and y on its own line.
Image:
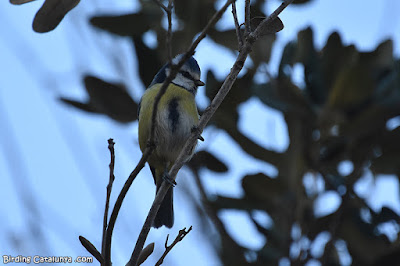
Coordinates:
109	187
237	26
164	187
205	118
107	252
168	11
150	148
158	2
182	233
86	243
169	33
247	18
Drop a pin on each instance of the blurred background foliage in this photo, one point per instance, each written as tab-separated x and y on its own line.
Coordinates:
337	114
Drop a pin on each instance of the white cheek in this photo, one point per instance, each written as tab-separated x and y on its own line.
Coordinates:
183	82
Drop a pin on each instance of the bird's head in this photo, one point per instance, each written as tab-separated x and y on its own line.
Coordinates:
188	76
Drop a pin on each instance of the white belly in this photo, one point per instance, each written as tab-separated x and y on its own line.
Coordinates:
170	138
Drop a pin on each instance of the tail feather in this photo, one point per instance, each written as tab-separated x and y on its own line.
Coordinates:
165	215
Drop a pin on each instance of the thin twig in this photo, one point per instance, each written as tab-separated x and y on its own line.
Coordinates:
158	2
205	118
168	12
109	188
169	33
107	252
182	233
247	18
237	26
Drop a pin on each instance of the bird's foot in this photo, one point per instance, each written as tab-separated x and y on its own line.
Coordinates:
169	180
196	129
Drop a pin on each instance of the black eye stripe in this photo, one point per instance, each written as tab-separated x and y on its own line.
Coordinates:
186	75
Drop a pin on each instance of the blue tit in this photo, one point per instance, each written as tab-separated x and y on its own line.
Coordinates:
177	115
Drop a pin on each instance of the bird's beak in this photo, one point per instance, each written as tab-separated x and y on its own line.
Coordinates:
199	83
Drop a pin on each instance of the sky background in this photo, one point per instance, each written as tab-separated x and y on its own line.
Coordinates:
54	159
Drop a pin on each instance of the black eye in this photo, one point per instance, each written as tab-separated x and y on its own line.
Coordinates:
186	75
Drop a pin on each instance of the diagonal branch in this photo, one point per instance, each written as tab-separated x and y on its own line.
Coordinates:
149	149
174	70
209	112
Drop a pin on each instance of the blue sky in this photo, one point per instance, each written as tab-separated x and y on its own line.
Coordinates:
54	159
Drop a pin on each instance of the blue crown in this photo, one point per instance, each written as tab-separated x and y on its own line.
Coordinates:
191	63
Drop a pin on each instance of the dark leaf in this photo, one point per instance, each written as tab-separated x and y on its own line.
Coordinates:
91	248
51	13
261	51
361	238
386	214
236	96
107	98
354	87
148	59
268	94
260	187
299	2
335	58
195	14
206	159
83	106
249	146
275	26
225	38
20	2
145	253
237	204
129	25
288	59
391	257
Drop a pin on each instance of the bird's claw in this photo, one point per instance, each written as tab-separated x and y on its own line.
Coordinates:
169	180
199	136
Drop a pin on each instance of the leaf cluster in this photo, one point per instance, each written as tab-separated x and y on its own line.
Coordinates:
338	113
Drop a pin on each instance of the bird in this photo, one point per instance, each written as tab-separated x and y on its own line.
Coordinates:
177	116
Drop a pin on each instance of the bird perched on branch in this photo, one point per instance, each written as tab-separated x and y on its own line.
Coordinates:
176	117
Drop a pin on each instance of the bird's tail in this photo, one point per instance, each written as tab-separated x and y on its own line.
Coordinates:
165	215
